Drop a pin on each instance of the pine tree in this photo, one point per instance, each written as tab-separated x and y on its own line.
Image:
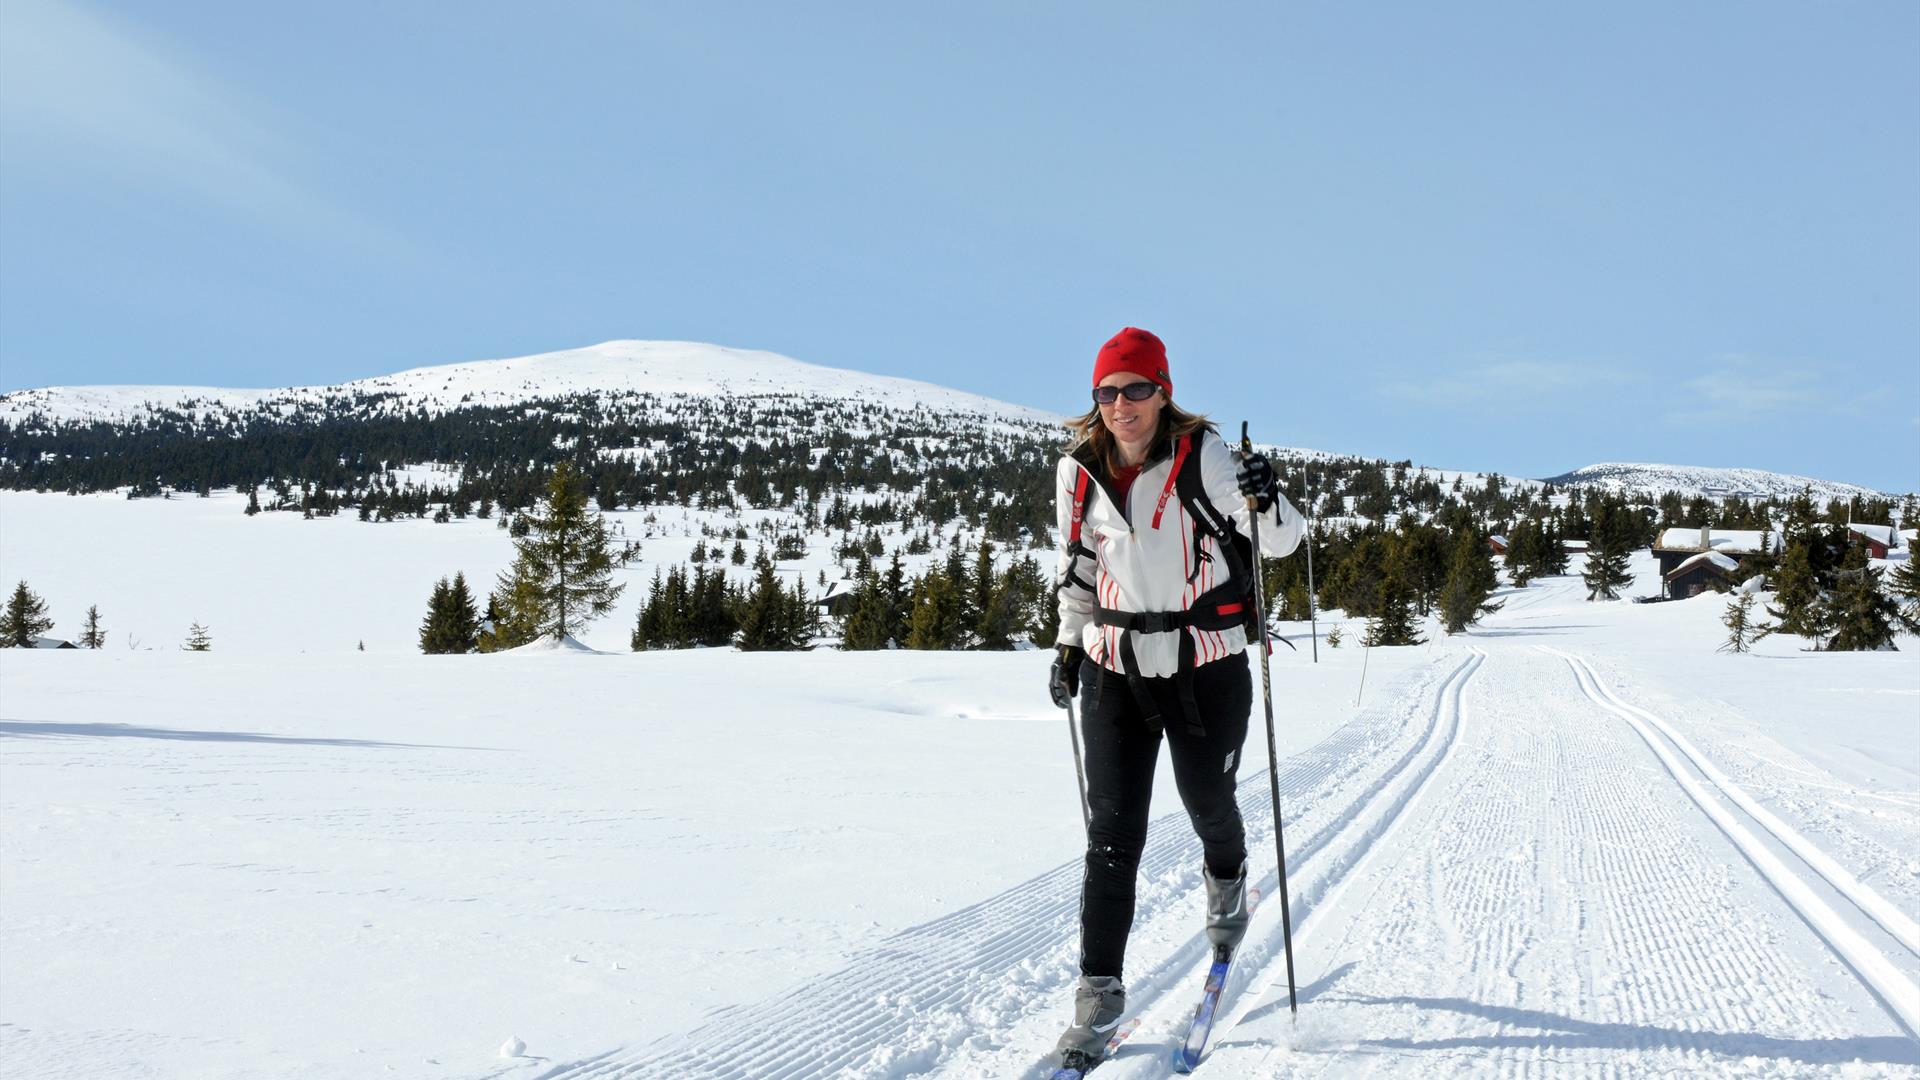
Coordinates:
865	626
562	573
1608	553
433	627
253	501
462	619
92	636
1739	623
936	613
24	620
1796	607
199	639
1523	554
764	625
1393	625
1003	613
1862	618
1333	637
899	602
1904	583
1464	598
982	585
802	619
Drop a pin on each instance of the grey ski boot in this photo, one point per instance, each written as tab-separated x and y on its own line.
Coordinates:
1099	1004
1226	908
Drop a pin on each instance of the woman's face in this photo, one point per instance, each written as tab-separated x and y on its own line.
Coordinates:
1132	421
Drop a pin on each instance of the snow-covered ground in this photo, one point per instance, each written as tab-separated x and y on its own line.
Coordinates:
1576	841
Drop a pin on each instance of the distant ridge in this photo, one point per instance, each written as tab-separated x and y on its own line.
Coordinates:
613	367
1712	482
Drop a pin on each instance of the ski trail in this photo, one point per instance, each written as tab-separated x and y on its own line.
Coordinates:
1899	993
1318	871
985	989
1872	904
1549	905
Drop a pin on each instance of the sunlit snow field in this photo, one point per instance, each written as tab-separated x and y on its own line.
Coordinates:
293	857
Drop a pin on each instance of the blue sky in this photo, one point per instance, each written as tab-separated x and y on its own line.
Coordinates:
1513	237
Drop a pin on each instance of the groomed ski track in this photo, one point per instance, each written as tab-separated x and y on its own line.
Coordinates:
933	997
1502	867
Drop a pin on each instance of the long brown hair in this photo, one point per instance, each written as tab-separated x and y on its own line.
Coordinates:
1175	422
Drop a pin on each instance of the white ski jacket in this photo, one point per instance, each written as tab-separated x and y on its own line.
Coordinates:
1143	556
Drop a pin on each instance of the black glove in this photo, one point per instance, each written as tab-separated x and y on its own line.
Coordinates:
1063	682
1257	481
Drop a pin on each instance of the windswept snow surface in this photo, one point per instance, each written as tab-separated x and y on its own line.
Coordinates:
1577	841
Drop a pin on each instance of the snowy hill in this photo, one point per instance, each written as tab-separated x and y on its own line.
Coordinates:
611	368
1690	480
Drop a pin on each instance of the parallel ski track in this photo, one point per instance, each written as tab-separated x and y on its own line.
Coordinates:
1319	871
900	1008
1894	989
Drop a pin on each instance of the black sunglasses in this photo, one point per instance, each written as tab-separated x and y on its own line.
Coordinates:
1135	391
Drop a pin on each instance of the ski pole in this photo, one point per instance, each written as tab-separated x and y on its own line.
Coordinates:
1273	754
1313	616
1079	770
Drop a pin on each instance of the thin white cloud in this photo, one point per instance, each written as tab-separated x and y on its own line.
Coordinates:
1741	389
84	89
1504	380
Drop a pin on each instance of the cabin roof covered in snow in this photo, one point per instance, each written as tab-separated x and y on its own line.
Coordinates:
1712	558
1737	541
1879	534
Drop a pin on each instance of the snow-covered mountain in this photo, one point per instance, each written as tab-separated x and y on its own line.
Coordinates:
677	375
1692	480
612	368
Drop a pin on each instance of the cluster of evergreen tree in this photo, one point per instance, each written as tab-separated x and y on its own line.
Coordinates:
1534	549
773	617
951	605
682	612
452	624
1826	590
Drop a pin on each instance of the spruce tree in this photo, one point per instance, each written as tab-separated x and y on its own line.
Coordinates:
433	627
982	585
562	573
199	639
24	620
463	621
93	637
1465	597
1796	607
936	613
1522	552
1904	583
1861	617
865	626
764	624
1608	552
1393	623
899	599
802	619
1004	616
1738	620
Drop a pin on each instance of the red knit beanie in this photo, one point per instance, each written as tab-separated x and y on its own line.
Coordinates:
1136	351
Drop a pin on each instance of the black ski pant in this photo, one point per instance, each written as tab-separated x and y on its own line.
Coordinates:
1121	749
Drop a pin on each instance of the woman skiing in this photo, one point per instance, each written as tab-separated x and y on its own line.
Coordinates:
1154	579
